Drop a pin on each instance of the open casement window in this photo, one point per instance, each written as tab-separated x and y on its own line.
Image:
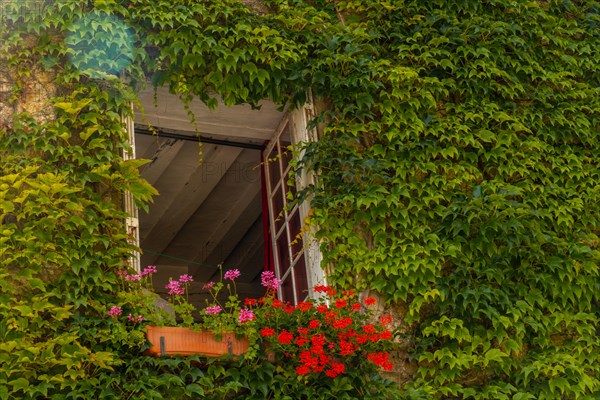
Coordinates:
224	203
295	254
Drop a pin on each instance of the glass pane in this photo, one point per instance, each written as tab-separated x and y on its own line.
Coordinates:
290	182
287	290
286	155
277	203
295	233
272	161
301	279
283	253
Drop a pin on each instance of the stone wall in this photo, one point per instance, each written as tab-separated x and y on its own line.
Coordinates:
25	91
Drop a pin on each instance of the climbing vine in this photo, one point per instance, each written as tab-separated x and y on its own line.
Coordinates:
461	180
457	177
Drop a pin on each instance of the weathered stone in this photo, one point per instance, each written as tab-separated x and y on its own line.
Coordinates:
28	92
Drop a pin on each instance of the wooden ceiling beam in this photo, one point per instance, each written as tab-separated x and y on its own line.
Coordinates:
185	186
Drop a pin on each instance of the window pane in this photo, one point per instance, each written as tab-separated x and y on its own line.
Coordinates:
286	155
295	234
301	279
290	182
277	204
283	254
272	161
287	290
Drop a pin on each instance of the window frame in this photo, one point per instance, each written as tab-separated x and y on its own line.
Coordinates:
281	216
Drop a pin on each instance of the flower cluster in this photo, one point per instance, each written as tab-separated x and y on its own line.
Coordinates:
232	274
136	296
269	281
326	336
333	335
175	288
224	314
212	310
115	312
179	299
133	319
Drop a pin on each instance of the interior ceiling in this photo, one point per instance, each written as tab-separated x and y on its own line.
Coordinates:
209	208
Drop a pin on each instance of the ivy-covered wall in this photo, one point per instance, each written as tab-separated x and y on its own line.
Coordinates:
458	178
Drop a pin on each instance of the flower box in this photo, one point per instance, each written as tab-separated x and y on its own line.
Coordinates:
185	341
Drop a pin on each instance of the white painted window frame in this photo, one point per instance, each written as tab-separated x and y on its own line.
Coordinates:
132	222
298	122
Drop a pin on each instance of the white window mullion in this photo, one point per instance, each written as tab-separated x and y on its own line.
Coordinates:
302	133
132	221
304	270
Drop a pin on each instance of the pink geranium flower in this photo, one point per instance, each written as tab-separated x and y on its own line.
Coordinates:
245	315
212	310
175	288
232	274
115	312
269	280
149	270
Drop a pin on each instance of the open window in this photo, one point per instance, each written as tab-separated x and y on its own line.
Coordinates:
224	202
295	257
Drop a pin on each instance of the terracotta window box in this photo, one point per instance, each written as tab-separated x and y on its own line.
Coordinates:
185	341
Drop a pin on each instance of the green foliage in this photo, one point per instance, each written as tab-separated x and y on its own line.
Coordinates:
465	186
458	175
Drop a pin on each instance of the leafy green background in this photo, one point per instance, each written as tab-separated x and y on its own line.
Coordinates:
458	176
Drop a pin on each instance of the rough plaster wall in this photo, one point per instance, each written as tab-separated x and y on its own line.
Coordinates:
404	369
25	92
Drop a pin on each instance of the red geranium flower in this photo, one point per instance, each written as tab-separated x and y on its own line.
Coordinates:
369	328
288	308
318	339
379	358
340	303
346	348
301	340
369	301
386	319
342	323
361	339
303	331
277	303
303	369
320	288
304	306
285	337
326	334
336	369
374	337
267	332
314	324
316	349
